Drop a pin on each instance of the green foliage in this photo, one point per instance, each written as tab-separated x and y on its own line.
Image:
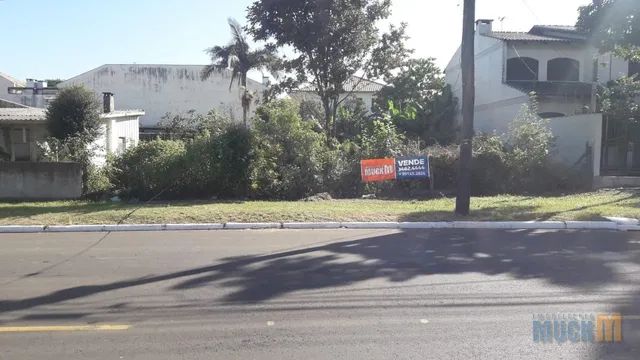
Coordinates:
217	164
332	40
352	119
529	144
75	113
382	139
619	100
191	124
151	168
75	148
419	91
240	59
98	180
287	163
614	25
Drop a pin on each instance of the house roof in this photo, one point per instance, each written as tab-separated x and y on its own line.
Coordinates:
38	114
22	114
523	36
123	113
4	103
544	33
15	81
354	84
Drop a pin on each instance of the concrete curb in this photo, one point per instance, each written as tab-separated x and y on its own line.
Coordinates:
252	226
622	225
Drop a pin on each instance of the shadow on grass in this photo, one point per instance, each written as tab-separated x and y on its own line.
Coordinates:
18	210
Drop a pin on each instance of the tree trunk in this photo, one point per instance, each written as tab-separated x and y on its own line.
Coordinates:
463	196
245	104
327	117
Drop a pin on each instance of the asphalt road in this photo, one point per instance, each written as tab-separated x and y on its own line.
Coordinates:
322	294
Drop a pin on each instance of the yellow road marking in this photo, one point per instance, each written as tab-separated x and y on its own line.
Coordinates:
22	329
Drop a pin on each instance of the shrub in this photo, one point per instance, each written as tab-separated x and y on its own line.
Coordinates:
489	174
218	164
341	170
381	139
287	163
98	182
151	168
74	111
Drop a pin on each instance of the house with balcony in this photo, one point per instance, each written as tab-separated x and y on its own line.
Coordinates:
561	67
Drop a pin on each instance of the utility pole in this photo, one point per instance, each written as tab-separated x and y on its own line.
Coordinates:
467	63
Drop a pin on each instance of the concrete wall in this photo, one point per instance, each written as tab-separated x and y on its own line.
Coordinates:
611	68
40	181
162	89
573	133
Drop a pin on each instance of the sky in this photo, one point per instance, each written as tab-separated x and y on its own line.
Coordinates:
48	39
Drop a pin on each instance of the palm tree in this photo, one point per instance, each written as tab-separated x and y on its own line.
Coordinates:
237	57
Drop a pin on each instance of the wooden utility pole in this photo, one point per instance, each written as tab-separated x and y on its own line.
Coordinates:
463	198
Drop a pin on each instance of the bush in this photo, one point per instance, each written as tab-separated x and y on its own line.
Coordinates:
151	168
288	153
489	174
75	111
218	164
98	182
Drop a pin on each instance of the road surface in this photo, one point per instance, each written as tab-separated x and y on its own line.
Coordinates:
321	294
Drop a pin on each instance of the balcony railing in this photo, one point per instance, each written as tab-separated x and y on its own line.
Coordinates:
554	88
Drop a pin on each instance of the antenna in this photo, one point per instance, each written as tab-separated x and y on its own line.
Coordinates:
501	19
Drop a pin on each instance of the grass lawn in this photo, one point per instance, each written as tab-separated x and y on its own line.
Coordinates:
586	206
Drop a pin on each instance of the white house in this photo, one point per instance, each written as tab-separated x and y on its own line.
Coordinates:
356	88
163	89
555	62
33	93
22	127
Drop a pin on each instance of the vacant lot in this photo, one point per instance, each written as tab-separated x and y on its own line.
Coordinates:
586	206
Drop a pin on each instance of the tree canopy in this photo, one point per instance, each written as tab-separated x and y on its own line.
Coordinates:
240	59
332	40
75	112
614	25
419	88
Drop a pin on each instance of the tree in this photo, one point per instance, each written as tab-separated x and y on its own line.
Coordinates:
614	25
73	120
463	196
240	59
420	86
332	40
75	112
619	100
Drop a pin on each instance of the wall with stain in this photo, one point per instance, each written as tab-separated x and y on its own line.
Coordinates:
162	89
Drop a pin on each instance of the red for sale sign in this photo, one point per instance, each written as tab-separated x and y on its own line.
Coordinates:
378	170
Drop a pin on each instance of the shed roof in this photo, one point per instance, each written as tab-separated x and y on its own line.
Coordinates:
22	114
354	84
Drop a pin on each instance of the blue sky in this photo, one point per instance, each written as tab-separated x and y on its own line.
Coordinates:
62	38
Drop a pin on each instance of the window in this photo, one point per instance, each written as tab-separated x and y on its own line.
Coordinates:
549	115
122	145
20	144
563	69
634	68
522	68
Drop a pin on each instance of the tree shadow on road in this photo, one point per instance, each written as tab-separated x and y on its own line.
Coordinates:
585	260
